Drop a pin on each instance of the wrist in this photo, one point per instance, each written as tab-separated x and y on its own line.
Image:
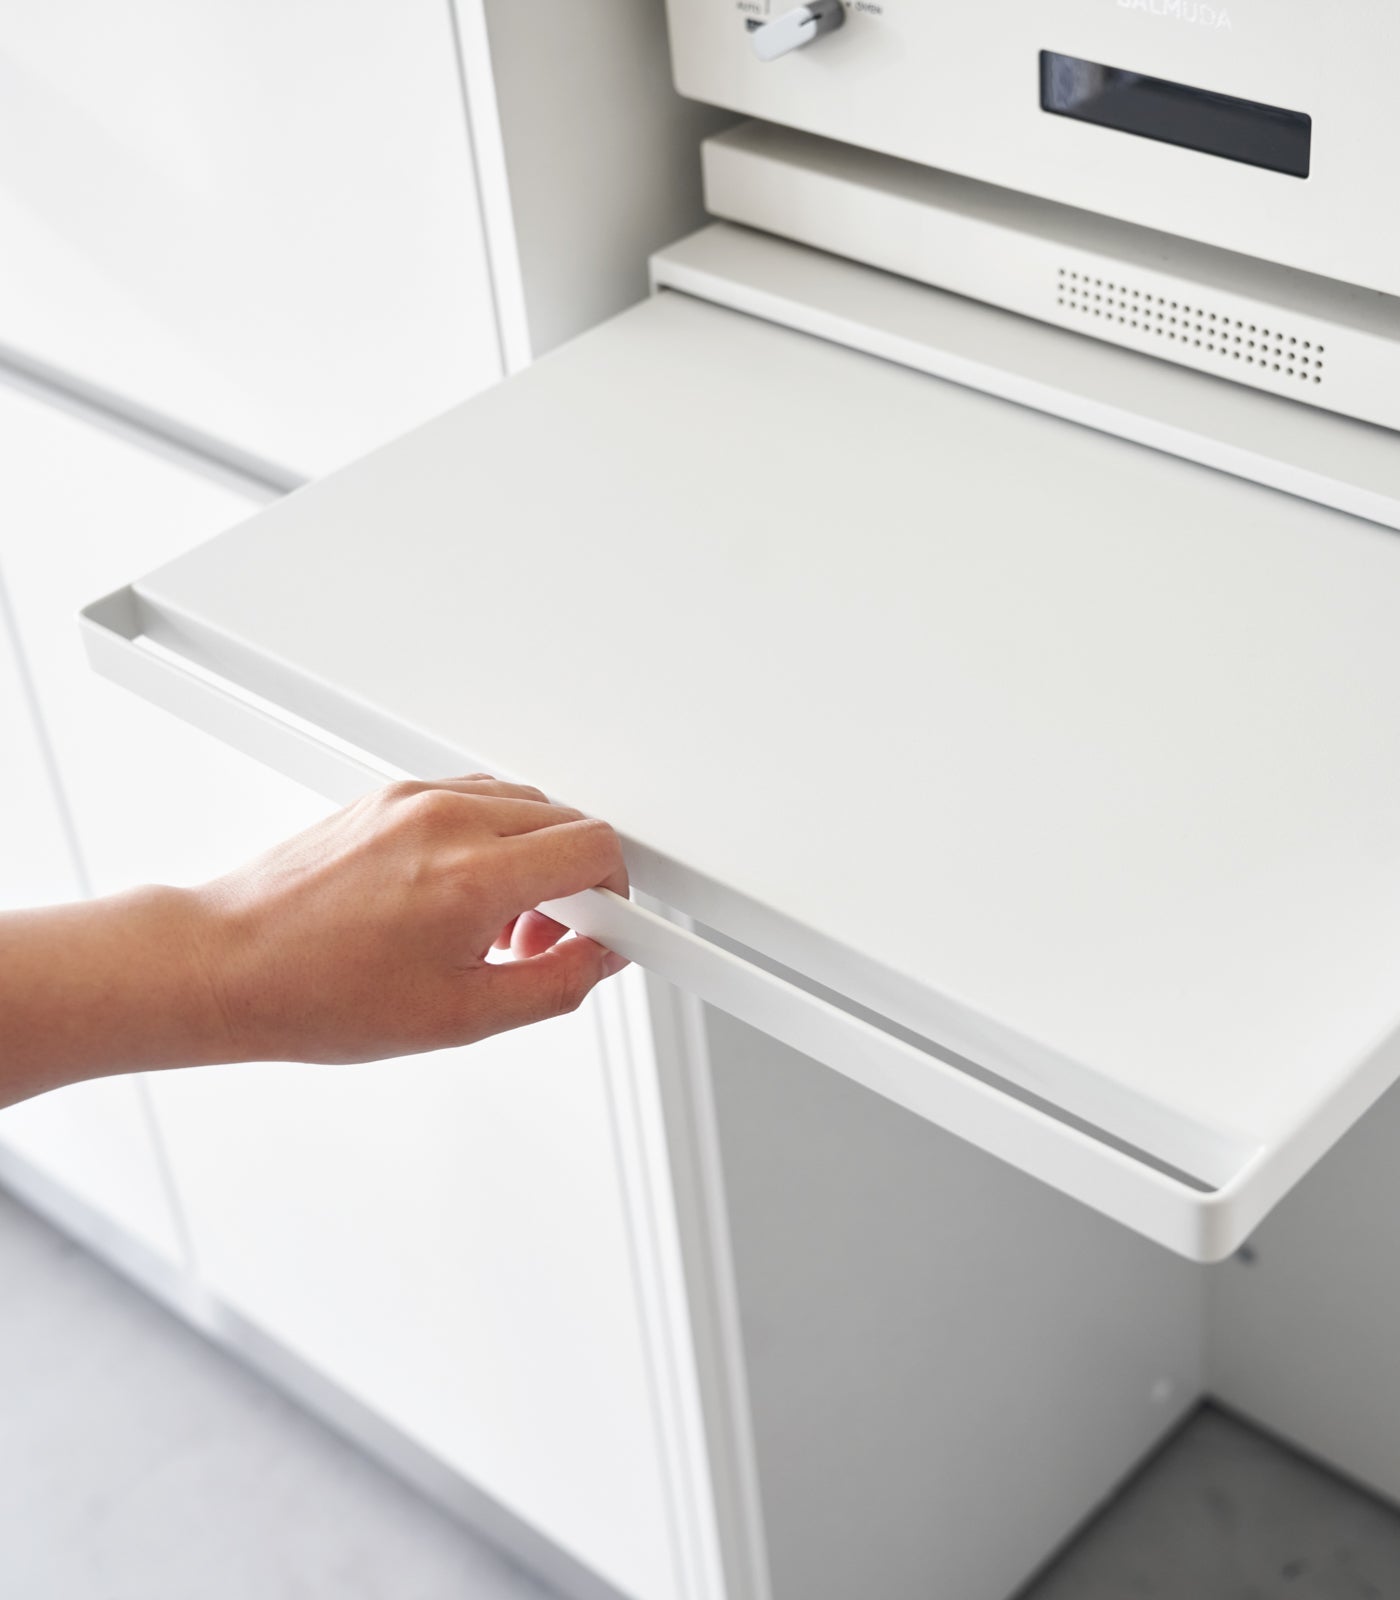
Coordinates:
200	935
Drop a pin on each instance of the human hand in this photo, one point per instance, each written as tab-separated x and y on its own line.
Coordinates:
367	936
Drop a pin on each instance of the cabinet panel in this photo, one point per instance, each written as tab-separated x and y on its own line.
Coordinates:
589	161
257	219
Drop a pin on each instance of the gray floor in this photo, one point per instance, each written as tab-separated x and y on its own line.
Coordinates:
1224	1513
139	1463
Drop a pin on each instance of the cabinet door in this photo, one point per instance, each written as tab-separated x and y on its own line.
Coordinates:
259	220
444	1237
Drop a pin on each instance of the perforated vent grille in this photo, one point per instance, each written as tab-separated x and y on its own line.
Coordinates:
1201	335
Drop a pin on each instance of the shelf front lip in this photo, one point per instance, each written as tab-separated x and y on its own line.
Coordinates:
305	729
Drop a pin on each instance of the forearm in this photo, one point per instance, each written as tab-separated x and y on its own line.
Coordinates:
113	985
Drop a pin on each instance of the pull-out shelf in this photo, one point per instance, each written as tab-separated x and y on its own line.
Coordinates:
1040	781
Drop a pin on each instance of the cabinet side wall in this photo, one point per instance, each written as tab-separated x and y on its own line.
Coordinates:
950	1366
601	156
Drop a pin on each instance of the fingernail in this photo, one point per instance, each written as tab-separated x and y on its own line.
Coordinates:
614	963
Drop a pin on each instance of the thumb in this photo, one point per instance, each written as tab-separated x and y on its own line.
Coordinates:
548	985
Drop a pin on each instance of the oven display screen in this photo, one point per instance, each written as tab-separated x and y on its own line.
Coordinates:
1175	113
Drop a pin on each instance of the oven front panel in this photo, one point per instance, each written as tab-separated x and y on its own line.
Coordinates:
1264	126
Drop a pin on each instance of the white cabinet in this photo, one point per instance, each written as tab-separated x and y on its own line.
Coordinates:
257	220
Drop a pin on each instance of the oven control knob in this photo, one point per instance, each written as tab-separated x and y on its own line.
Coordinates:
797	27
